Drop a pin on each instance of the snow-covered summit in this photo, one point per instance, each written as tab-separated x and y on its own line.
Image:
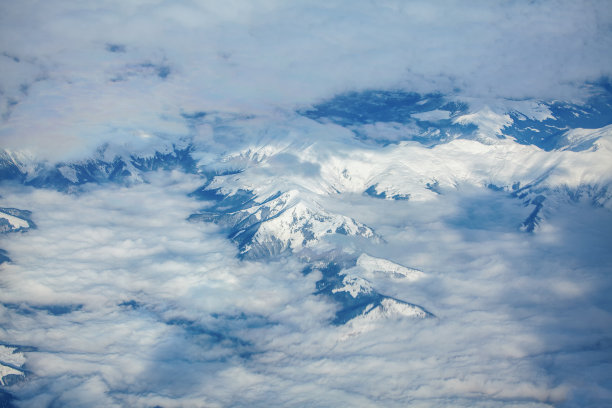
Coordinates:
14	220
11	361
280	223
110	163
373	266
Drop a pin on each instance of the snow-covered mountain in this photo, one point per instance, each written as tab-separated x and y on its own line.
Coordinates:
110	163
280	190
11	361
411	171
485	147
385	117
15	220
305	203
280	223
306	186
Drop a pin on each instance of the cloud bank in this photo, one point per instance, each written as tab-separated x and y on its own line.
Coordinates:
77	75
117	300
131	305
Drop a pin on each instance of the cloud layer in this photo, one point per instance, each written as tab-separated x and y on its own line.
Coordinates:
123	302
77	75
131	305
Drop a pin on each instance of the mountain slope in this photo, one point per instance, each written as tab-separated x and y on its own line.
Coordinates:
15	220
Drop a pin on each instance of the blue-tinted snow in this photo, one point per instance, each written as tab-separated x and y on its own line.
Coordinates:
117	169
349	306
23	215
548	134
357	110
373	192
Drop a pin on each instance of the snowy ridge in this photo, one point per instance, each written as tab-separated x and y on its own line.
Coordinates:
301	226
285	222
275	190
311	162
271	205
13	165
354	285
109	163
582	139
373	266
15	223
409	170
294	222
256	153
6	370
490	123
392	308
355	295
10	361
498	142
14	220
376	313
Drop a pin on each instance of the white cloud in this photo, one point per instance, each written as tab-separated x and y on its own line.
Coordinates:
128	304
247	56
170	316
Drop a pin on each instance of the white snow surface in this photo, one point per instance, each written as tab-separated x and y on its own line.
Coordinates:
407	168
489	122
9	356
575	137
391	309
374	266
15	222
530	109
69	173
6	370
354	285
24	160
299	225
